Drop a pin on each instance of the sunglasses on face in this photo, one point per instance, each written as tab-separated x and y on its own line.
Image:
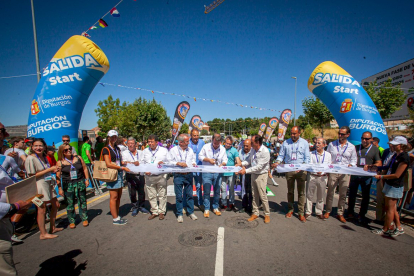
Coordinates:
68	149
341	134
366	139
65	141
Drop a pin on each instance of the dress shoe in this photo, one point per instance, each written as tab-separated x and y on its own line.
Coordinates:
153	216
289	215
320	217
233	208
85	223
162	216
341	218
302	218
350	216
326	216
307	215
267	219
252	218
72	226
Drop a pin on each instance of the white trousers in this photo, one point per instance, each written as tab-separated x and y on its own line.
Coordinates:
316	185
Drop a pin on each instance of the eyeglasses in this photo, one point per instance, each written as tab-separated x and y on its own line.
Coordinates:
68	149
65	140
341	134
366	139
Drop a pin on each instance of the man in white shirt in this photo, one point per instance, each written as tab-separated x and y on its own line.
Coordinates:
259	162
317	181
156	183
183	156
343	153
212	154
136	182
20	158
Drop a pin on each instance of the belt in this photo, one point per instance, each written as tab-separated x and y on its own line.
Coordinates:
182	173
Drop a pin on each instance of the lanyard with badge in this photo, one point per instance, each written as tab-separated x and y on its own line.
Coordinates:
218	155
362	159
317	159
153	154
339	155
392	163
49	177
73	173
186	153
294	155
133	159
118	160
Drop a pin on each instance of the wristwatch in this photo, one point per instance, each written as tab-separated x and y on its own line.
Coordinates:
13	210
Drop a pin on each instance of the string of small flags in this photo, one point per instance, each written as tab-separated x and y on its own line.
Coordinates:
189	97
212	6
101	22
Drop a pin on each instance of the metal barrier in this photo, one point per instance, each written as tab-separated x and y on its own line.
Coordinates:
94	181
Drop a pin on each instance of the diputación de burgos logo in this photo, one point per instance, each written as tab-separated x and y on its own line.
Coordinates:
48	124
367	125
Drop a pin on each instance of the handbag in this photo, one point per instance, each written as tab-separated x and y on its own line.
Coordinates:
102	172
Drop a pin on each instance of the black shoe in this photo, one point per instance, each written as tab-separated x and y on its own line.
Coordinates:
233	208
201	207
228	208
241	211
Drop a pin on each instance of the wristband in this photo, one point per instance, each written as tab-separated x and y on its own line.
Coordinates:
17	205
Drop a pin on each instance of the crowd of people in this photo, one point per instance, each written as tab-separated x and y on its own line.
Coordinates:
258	161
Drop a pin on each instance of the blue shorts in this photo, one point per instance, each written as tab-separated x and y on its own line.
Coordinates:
393	192
119	183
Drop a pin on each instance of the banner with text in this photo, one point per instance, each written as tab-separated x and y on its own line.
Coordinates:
348	102
283	123
179	117
262	129
65	86
159	169
272	124
324	168
195	123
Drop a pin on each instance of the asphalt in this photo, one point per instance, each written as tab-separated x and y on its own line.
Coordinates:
285	246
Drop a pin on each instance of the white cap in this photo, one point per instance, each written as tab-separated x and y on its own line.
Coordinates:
112	133
277	145
399	140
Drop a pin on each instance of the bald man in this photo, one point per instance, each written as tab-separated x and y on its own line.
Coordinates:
295	150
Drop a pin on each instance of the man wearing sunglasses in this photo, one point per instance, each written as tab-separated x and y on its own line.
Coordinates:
343	153
66	141
367	154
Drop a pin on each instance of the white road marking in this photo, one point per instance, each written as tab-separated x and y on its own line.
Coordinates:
220	252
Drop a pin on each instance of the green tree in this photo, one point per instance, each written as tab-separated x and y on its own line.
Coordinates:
138	119
316	113
204	132
386	98
184	128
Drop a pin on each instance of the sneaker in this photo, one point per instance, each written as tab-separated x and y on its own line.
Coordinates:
120	222
184	211
206	214
135	212
217	212
397	232
381	232
193	217
14	238
180	219
143	210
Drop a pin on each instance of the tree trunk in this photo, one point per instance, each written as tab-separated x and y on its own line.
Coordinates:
322	131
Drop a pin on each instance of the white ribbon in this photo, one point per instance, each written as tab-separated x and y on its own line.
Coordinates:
160	169
324	168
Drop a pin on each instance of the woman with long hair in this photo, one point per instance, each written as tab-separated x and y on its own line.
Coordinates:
72	180
113	160
37	164
393	178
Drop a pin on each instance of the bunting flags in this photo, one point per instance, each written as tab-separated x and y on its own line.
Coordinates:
212	6
114	12
102	23
85	34
195	98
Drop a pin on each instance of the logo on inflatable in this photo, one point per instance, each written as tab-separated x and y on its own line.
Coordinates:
35	107
346	106
183	109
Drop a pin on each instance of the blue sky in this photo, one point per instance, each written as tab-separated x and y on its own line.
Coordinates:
243	51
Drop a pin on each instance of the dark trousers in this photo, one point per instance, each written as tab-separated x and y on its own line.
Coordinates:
365	182
183	188
247	201
136	183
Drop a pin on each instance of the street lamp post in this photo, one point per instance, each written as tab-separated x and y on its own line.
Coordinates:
35	42
294	112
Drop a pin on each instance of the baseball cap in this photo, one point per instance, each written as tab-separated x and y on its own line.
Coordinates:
277	145
399	140
29	140
112	133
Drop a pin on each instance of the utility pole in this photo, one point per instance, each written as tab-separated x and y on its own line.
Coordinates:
35	43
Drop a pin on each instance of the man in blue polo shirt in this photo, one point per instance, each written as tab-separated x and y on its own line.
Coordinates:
196	145
229	178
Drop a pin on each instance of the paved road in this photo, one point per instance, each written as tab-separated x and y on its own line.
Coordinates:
285	246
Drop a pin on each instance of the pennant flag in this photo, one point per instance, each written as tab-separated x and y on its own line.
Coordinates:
85	34
93	28
114	12
152	92
195	99
102	23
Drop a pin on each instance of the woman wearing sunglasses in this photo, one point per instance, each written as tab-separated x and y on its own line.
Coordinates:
72	183
37	164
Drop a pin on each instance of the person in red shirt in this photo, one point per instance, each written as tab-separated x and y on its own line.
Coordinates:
50	155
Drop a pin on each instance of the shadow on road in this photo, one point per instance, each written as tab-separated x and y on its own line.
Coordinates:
62	265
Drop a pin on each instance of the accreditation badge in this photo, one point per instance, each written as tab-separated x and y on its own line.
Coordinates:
48	177
152	160
73	174
294	156
338	158
118	162
362	161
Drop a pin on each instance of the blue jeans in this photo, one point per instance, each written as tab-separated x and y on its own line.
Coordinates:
183	182
211	179
198	181
231	181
